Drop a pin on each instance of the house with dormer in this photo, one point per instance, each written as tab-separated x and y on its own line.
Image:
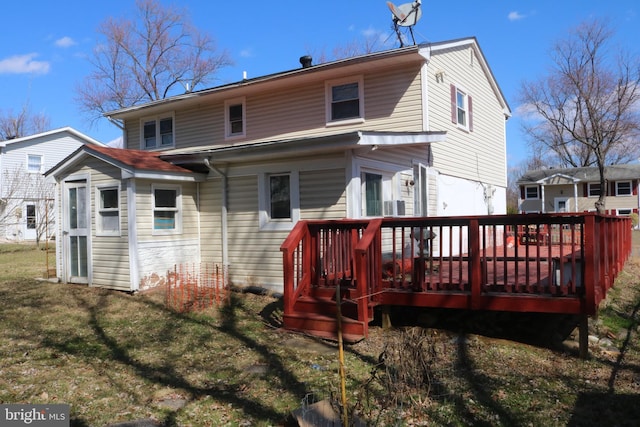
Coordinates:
222	175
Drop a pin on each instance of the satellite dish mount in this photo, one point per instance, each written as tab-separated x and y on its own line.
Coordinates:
405	15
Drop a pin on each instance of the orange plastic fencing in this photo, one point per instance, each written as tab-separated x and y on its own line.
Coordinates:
196	287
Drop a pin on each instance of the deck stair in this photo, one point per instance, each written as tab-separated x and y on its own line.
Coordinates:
316	314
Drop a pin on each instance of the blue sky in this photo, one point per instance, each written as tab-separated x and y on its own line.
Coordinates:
45	44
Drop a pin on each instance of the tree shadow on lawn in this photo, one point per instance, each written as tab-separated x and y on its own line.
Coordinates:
167	375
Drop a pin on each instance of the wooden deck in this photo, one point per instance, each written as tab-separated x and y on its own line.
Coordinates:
559	263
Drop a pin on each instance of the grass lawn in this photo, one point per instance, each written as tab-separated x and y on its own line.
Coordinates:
116	357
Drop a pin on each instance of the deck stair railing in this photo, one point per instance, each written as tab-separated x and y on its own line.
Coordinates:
561	263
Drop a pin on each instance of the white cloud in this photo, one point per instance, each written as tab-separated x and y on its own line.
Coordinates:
246	53
65	42
515	16
23	64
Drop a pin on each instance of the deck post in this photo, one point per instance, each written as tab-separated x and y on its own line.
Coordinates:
583	336
386	317
475	267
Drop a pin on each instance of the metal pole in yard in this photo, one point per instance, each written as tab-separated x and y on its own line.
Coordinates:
343	386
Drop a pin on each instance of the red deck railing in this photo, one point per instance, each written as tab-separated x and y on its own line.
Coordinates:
554	263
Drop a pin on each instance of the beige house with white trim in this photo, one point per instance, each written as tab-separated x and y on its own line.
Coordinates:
577	190
223	174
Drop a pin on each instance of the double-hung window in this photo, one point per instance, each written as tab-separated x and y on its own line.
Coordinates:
157	132
235	118
593	189
34	163
623	188
461	108
108	212
280	197
531	192
345	100
279	201
166	209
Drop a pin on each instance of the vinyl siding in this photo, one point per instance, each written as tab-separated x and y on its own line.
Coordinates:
322	194
392	102
254	254
109	254
188	211
211	221
479	155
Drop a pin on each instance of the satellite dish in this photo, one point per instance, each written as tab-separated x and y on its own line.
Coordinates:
405	15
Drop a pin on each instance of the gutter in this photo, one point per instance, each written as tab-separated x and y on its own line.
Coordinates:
224	209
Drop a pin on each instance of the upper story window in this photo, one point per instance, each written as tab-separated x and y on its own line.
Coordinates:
157	132
531	192
108	212
623	188
593	189
166	209
34	163
461	108
345	100
235	118
279	200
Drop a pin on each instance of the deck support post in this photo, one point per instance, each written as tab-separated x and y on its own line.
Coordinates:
386	317
583	336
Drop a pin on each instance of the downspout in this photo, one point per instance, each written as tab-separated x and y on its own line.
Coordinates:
225	201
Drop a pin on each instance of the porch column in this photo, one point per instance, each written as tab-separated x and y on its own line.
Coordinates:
542	210
575	196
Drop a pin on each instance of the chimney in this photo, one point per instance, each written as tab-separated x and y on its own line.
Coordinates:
306	61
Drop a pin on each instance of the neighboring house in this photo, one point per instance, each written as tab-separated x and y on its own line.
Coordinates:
577	190
26	198
222	175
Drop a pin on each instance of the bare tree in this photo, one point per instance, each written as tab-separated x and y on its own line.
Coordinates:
585	111
514	173
22	123
154	56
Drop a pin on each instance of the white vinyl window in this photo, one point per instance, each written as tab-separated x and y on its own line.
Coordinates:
279	200
461	108
624	212
235	118
167	207
34	163
623	188
531	192
593	189
345	100
108	212
157	132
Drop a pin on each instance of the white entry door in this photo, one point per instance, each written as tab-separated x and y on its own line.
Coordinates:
30	221
561	204
76	232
